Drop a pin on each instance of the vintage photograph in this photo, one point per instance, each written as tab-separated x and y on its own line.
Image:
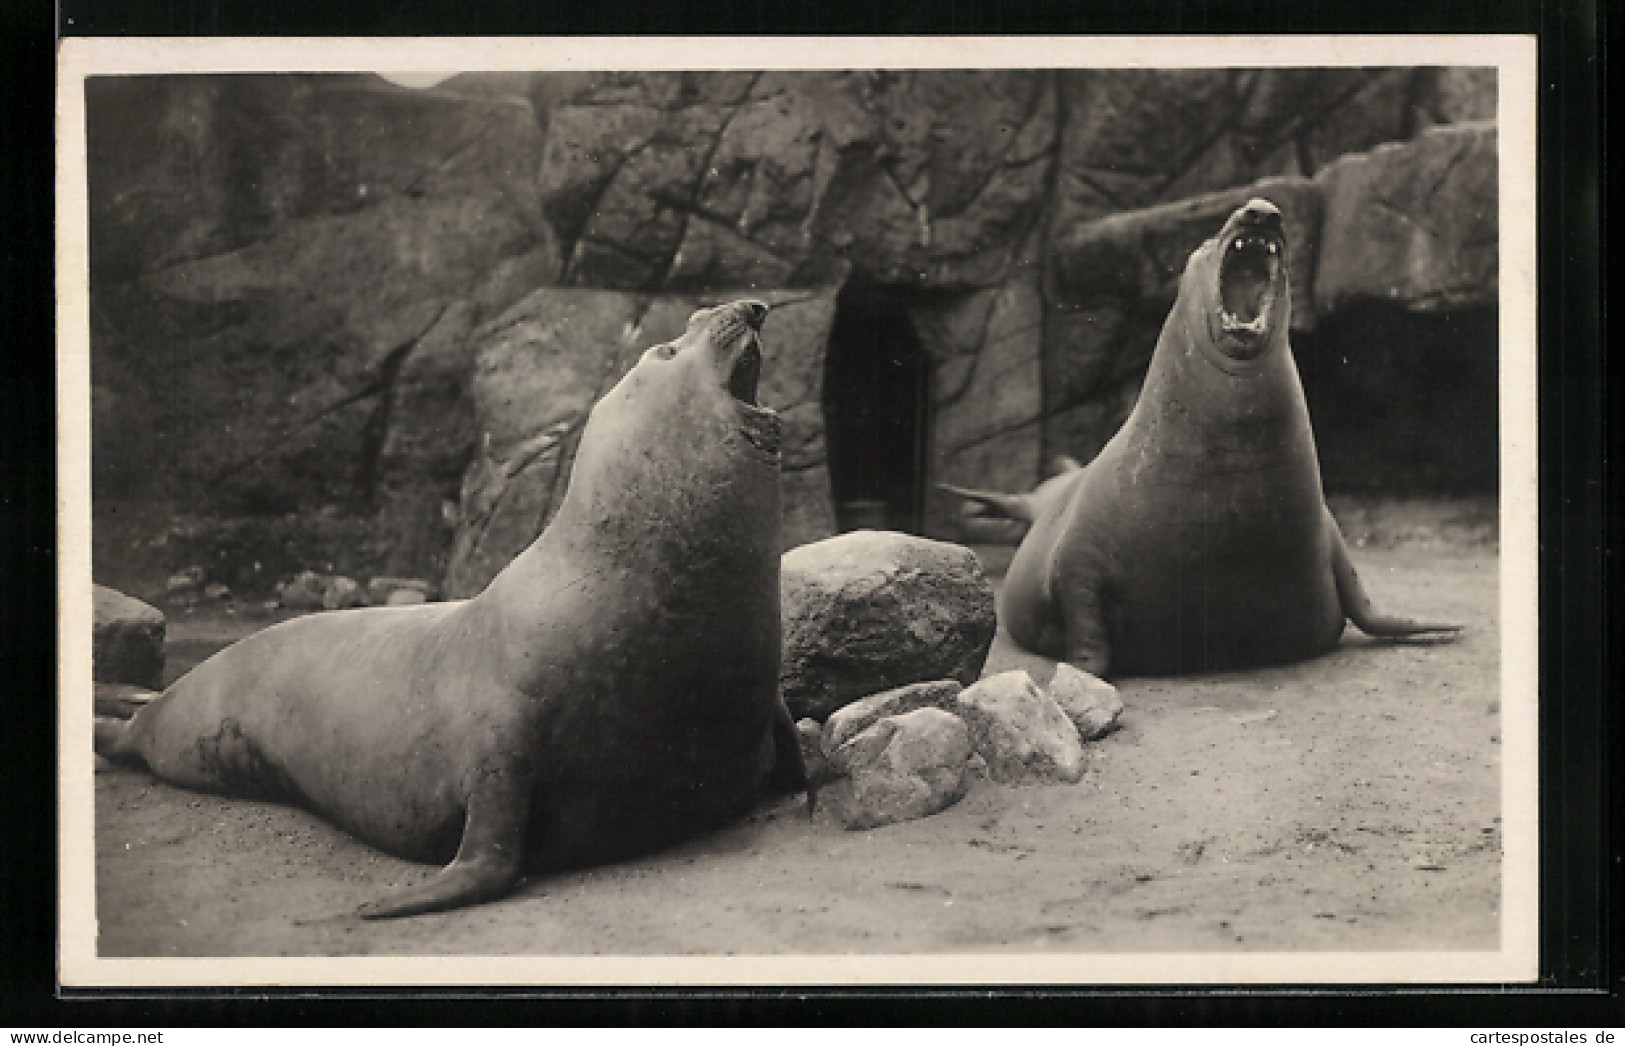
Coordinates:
602	512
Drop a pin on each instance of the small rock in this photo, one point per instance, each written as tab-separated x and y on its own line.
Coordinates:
847	722
304	591
404	597
217	591
309	590
383	589
1091	703
810	734
1020	730
902	768
185	580
872	610
127	639
341	592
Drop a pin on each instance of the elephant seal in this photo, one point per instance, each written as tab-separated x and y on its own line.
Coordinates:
1199	538
612	691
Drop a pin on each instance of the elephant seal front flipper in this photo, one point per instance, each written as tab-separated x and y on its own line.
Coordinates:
789	765
490	856
1357	605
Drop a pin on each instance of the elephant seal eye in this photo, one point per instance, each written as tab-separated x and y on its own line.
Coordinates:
664	352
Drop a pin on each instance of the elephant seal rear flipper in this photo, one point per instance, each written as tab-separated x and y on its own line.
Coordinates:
1357	605
993	504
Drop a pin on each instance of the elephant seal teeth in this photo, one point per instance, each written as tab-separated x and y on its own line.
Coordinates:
1248	275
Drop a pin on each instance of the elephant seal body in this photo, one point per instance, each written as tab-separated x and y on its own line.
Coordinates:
613	690
1199	538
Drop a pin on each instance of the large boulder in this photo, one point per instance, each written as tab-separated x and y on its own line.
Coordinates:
1020	731
873	610
1414	223
539	368
902	768
127	639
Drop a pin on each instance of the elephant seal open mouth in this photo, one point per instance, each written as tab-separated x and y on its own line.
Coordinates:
1251	279
613	690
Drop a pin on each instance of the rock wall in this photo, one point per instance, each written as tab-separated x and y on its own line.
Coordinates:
343	325
1133	138
701	181
284	274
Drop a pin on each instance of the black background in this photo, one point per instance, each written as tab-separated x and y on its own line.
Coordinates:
1581	444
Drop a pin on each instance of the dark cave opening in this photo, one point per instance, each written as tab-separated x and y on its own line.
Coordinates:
877	399
1404	403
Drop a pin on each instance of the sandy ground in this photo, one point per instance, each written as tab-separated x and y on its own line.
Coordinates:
1347	803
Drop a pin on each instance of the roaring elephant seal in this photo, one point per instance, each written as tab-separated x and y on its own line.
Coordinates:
1199	539
614	689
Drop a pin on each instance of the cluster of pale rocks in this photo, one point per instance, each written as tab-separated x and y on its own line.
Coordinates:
308	590
311	591
912	751
885	638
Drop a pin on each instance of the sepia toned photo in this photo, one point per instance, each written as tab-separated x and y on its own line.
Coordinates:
1050	511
